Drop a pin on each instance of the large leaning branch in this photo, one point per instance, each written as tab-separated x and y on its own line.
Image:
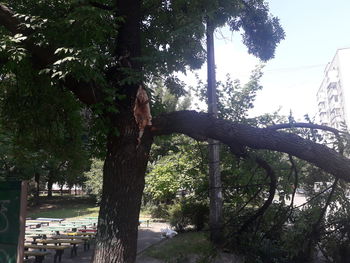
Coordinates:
201	125
43	56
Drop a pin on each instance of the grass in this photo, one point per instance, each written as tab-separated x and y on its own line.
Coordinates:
63	207
67	212
183	247
67	206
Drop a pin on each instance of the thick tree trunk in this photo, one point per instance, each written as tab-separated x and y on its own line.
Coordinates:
215	188
126	160
123	184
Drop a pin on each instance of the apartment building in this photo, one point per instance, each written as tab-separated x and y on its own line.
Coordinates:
333	96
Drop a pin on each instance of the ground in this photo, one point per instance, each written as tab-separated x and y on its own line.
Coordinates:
188	247
81	206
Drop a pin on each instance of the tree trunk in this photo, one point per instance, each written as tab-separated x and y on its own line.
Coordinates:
49	185
37	185
126	160
123	183
215	188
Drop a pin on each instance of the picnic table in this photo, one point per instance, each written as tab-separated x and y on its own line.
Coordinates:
39	255
51	219
73	243
38	230
81	233
83	222
33	225
58	250
85	238
87	230
91	217
42	222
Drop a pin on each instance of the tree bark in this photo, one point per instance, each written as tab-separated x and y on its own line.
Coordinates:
202	126
37	185
123	183
215	185
49	185
125	164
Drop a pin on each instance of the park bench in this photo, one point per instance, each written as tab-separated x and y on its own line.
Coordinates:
42	222
39	231
33	225
58	250
50	219
81	233
86	239
74	243
88	230
39	255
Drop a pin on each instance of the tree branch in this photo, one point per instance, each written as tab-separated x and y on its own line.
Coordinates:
101	6
272	189
196	125
305	125
87	92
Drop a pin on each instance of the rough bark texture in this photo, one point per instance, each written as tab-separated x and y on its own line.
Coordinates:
123	184
126	161
202	126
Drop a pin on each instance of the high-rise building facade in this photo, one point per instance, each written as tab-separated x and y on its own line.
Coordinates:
333	96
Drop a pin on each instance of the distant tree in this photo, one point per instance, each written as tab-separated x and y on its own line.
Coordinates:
94	176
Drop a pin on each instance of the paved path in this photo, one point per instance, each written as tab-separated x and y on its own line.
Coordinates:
148	236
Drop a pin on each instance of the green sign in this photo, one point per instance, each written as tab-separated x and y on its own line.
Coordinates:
10	212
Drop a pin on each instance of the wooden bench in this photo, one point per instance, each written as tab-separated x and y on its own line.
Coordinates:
51	219
42	222
74	243
79	233
58	250
74	237
39	255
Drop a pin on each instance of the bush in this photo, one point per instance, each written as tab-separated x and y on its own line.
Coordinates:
159	211
187	213
177	218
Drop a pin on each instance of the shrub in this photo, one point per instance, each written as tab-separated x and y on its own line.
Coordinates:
187	213
159	211
177	218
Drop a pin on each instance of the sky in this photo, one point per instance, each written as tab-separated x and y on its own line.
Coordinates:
314	29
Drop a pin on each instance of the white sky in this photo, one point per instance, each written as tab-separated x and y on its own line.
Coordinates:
314	29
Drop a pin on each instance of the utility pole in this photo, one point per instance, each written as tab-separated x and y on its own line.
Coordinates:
215	188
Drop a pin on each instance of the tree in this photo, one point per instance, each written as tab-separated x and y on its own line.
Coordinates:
98	54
